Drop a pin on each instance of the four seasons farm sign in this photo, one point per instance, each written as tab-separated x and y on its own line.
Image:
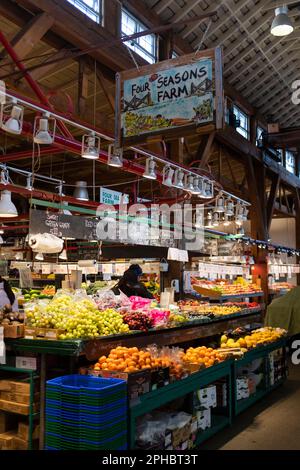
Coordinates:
173	94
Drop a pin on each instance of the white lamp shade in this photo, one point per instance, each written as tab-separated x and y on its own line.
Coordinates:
63	255
281	25
1	240
7	207
150	172
14	123
42	135
168	173
81	192
178	179
90	150
39	257
189	186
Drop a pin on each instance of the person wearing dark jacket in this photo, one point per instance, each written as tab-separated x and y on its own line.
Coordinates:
130	284
7	297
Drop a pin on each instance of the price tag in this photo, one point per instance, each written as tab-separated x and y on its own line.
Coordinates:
106	277
107	269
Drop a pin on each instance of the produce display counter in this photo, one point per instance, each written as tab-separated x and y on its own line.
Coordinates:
93	348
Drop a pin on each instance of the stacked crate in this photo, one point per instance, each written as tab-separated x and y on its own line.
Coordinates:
86	413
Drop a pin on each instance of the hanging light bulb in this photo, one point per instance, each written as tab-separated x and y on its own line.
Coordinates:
245	213
81	192
7	207
90	146
281	25
208	223
115	156
39	257
14	123
4	176
198	219
229	207
41	133
168	173
226	220
189	186
215	219
208	191
220	204
178	179
196	189
63	255
29	186
150	171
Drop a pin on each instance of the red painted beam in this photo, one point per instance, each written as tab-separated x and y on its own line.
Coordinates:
31	82
14	156
15	227
19	218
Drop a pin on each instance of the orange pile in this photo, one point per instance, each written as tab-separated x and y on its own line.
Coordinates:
202	356
127	360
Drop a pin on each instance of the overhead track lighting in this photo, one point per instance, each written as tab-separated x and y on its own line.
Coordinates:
81	192
208	191
208	223
7	207
196	189
115	157
1	240
220	208
229	207
41	133
150	171
215	219
282	25
12	118
90	146
226	220
168	173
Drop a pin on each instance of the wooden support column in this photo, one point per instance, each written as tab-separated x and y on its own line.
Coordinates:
82	86
105	85
204	149
272	199
166	46
112	17
255	172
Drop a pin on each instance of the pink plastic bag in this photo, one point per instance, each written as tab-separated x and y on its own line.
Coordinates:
138	303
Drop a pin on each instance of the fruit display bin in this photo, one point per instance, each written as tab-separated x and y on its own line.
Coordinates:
257	353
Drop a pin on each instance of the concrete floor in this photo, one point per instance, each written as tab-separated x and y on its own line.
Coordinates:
271	424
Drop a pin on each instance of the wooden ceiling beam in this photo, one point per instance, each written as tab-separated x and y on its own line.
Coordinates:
204	149
272	199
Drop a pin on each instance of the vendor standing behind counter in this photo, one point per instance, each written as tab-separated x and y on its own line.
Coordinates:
130	283
7	297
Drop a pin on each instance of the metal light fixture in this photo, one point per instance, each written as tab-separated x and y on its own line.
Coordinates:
215	219
178	179
7	207
226	222
29	186
189	183
81	192
229	207
196	189
115	157
208	191
12	118
282	25
63	255
219	207
168	173
39	257
90	146
41	134
245	213
208	223
1	240
150	171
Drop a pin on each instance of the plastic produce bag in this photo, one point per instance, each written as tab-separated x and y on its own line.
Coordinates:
139	303
46	243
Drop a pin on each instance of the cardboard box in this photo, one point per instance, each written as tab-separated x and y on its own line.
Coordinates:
42	333
19	444
13	331
207	396
15	386
19	408
8	421
23	431
204	418
29	332
18	397
138	383
159	378
6	440
181	435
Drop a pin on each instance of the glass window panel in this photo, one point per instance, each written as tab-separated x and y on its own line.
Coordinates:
243	128
145	46
290	161
91	8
